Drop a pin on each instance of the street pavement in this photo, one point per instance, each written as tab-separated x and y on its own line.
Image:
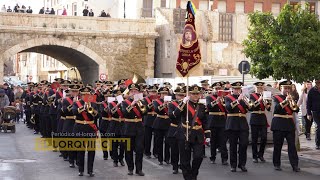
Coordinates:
20	161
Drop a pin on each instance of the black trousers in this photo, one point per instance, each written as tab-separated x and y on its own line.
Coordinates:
256	133
174	147
104	143
278	139
148	140
117	153
42	125
136	144
160	135
54	124
241	138
218	140
190	170
308	124
316	119
28	116
80	159
36	126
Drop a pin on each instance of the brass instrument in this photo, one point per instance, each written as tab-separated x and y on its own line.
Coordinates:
90	109
141	106
293	105
247	101
32	119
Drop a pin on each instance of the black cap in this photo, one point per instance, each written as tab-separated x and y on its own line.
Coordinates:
195	89
121	81
285	83
59	80
237	85
153	88
107	93
75	87
85	90
181	84
98	82
204	82
133	86
180	90
259	84
163	90
109	83
65	83
43	82
216	84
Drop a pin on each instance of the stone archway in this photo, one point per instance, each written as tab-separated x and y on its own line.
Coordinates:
70	53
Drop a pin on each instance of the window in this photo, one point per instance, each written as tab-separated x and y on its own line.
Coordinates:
208	72
312	7
147	8
240	7
203	5
222	6
163	3
74	9
179	20
258	7
168	47
225	27
294	5
275	9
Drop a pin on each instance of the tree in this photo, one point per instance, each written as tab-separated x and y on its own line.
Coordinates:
287	46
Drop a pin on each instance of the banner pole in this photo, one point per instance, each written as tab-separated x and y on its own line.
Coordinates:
187	121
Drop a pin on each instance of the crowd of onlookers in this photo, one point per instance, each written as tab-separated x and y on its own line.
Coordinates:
23	9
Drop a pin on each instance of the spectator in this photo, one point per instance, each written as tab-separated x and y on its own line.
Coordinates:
91	13
294	93
23	9
9	9
8	92
4	9
4	101
276	85
41	10
103	14
313	109
29	10
64	13
85	11
303	103
108	15
16	8
52	11
47	11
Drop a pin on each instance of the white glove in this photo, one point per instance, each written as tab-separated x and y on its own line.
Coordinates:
207	140
185	99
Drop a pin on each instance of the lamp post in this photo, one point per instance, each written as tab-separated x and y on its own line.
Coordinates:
124	9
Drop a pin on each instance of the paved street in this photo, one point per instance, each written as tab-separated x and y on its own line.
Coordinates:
19	161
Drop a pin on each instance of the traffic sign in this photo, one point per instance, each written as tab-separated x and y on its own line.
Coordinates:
244	67
103	77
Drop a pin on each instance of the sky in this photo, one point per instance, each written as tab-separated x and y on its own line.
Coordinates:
35	4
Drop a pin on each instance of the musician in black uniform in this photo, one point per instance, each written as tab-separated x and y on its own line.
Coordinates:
116	128
180	93
237	126
133	111
195	137
72	96
42	107
26	99
161	125
35	109
217	123
283	126
105	120
148	121
86	114
258	122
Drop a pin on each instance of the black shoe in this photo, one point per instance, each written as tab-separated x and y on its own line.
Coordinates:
105	158
130	173
224	162
277	168
80	173
262	159
168	162
255	160
148	156
160	163
140	173
233	169
243	168
296	169
115	164
318	147
121	162
71	165
91	174
155	156
213	161
175	171
308	137
60	155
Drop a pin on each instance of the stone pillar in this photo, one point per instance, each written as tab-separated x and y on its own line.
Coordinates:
1	69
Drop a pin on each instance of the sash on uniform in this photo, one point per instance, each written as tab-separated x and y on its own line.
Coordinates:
160	103
118	110
175	103
105	106
256	97
69	100
241	108
135	110
193	112
219	103
86	118
288	110
149	102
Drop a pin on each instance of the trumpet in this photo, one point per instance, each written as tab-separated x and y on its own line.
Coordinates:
247	101
141	106
293	105
32	119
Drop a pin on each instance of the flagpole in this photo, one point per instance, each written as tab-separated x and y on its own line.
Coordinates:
187	121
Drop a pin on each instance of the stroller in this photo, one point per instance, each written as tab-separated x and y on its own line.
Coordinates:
8	118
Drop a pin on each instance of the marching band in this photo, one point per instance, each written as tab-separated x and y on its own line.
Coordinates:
169	124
